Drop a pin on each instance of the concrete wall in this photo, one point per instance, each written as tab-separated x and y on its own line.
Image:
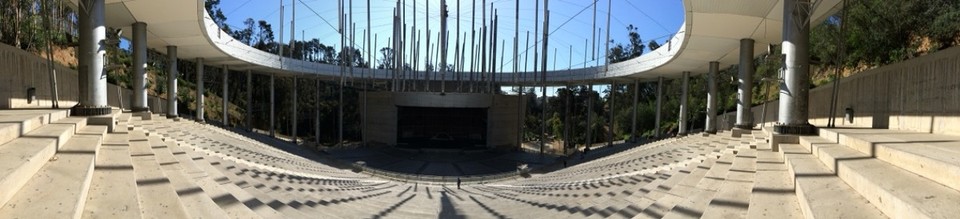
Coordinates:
20	70
381	118
502	127
921	95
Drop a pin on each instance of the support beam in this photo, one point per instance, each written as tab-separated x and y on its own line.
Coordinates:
316	134
684	105
613	99
656	128
249	111
273	131
589	140
795	86
172	75
93	78
225	98
139	68
200	105
711	126
293	121
745	81
633	123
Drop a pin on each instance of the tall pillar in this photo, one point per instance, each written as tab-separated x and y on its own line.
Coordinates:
273	132
93	78
225	98
795	86
589	140
249	112
172	75
656	128
294	113
199	100
612	109
684	107
139	67
745	82
566	120
633	120
711	126
316	127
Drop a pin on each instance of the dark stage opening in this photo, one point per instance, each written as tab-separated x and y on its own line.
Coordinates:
441	128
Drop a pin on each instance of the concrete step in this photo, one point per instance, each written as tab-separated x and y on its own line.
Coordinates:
215	179
158	198
933	156
773	194
196	202
229	203
14	123
21	158
113	189
820	192
695	205
59	189
895	191
59	130
733	198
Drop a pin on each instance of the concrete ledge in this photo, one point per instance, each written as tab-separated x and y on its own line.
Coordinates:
738	132
144	115
110	120
777	139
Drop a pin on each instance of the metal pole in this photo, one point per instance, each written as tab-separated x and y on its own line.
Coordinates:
795	88
273	131
51	69
589	140
293	112
543	79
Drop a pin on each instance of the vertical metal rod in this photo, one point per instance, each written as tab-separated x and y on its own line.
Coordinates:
589	140
606	67
249	112
294	112
613	109
200	91
225	98
51	69
633	123
543	75
656	128
273	132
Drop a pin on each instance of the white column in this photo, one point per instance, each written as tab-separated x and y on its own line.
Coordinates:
745	80
226	97
139	67
656	128
172	75
685	91
199	100
711	126
795	86
93	78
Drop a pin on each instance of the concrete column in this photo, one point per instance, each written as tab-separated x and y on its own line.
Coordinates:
711	126
317	112
199	100
566	120
294	113
633	120
139	67
225	97
656	128
93	78
589	140
273	132
249	112
745	82
612	109
795	86
685	91
172	75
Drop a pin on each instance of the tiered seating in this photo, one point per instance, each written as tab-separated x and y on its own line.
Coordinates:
876	172
183	169
46	162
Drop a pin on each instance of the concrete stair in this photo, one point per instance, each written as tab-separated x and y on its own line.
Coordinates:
27	142
902	174
62	182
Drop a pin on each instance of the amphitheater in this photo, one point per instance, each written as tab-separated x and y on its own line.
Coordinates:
897	157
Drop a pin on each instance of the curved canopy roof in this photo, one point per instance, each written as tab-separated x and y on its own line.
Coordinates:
711	31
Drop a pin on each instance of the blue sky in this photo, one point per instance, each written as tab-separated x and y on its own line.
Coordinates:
656	20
